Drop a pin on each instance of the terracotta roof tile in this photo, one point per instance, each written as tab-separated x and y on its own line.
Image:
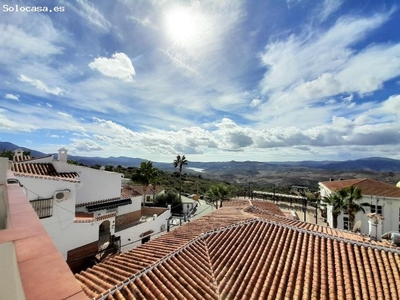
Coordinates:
230	254
42	170
367	186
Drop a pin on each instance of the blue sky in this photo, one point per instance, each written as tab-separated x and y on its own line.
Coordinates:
222	80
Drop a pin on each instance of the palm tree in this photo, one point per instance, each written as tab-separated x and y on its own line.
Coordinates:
179	162
350	195
337	204
145	175
219	192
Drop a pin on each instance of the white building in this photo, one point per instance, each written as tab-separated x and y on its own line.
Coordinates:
380	199
85	210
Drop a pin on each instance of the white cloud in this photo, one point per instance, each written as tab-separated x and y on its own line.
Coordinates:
17	43
118	66
84	145
255	103
7	124
307	56
63	114
144	22
12	97
327	8
41	85
89	12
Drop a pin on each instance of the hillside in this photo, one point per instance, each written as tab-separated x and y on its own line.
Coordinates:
259	174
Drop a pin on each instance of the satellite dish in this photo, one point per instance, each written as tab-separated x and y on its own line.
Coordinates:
357	226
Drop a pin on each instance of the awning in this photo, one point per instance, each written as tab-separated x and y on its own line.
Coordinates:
109	205
146	233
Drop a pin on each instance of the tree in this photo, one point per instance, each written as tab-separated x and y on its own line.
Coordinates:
219	192
344	200
7	153
145	175
350	196
179	162
337	204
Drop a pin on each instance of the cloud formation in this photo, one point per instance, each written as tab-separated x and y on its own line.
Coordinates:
12	97
271	80
40	85
118	66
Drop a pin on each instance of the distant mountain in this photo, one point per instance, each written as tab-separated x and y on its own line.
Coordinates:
377	164
104	161
6	146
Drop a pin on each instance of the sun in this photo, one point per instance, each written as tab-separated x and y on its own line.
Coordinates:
180	25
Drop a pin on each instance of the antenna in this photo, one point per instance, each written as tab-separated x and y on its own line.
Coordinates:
357	226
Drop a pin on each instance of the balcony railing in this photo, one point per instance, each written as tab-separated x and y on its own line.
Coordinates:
43	207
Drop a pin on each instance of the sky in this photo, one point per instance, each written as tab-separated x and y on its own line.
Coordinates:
272	80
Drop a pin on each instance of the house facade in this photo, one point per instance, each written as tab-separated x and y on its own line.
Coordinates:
85	210
381	202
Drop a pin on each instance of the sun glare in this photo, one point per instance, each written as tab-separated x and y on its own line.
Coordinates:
181	25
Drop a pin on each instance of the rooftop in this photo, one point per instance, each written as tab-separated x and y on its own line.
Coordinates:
42	170
367	186
249	250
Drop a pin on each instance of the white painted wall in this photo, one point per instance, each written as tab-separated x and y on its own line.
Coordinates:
130	238
96	184
135	206
390	211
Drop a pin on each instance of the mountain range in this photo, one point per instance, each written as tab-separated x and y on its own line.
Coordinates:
375	164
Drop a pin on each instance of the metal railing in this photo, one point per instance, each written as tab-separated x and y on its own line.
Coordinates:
43	207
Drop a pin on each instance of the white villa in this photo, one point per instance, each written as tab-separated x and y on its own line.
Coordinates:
382	206
85	211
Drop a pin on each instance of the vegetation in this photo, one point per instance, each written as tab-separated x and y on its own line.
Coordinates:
179	162
345	200
220	192
169	198
10	154
351	195
145	175
7	153
337	206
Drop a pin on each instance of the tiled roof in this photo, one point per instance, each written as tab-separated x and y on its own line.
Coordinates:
82	217
44	170
18	158
140	190
230	254
367	186
103	201
128	191
22	158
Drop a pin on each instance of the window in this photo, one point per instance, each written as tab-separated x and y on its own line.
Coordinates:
43	208
399	219
377	209
346	223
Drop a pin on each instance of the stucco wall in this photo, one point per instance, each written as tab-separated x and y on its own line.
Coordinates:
96	184
130	238
390	211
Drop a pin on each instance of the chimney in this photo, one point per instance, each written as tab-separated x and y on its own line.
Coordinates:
63	155
18	153
375	226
